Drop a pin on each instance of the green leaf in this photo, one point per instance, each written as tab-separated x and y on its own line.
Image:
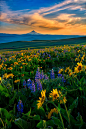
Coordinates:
1	88
80	88
64	113
3	91
12	100
79	119
41	112
6	94
50	123
22	124
36	117
74	105
57	121
4	113
82	79
28	114
72	120
40	124
59	107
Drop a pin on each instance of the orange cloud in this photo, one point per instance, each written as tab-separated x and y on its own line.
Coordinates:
64	23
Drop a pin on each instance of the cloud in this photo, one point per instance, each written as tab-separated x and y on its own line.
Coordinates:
36	18
51	27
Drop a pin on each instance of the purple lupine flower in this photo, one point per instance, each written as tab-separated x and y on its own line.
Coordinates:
46	77
39	85
20	106
59	75
29	83
42	75
52	76
24	84
44	54
49	55
63	80
33	87
64	50
37	76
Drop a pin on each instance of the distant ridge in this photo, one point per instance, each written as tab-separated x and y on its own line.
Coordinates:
42	43
33	35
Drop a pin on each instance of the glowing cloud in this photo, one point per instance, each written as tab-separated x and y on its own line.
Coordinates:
40	19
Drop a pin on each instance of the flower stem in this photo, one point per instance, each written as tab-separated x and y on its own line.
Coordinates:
59	115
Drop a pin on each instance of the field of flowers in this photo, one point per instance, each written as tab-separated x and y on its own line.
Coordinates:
43	88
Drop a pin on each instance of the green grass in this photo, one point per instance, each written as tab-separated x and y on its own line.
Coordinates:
37	44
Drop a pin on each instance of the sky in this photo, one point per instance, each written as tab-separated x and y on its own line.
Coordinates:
60	17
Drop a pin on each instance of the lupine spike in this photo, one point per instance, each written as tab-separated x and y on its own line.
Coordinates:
52	76
39	85
20	106
37	76
24	84
46	77
29	83
42	75
33	87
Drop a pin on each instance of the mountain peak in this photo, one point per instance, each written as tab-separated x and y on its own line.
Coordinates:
33	32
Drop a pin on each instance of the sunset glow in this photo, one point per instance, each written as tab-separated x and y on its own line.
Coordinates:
66	17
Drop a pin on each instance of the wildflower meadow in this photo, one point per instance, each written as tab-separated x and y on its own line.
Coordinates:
43	88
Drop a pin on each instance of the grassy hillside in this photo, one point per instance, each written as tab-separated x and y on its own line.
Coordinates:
18	45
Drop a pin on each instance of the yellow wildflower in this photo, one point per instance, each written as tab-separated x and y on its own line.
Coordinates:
0	66
0	79
11	75
10	68
5	75
85	68
15	63
41	99
79	66
54	95
64	100
4	68
16	81
50	113
5	64
60	71
21	54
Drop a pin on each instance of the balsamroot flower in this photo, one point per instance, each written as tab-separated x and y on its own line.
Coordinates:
78	68
61	99
50	113
41	99
54	94
0	79
60	71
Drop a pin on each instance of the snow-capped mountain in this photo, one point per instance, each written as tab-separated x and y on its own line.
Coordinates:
34	33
